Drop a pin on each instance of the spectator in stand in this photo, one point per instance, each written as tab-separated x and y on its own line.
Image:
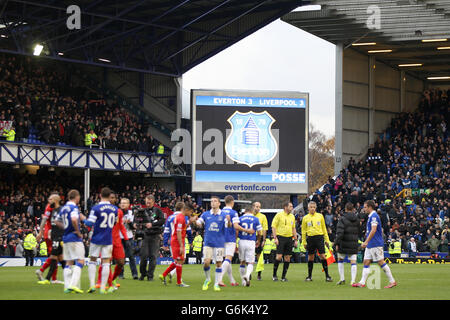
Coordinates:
412	248
34	95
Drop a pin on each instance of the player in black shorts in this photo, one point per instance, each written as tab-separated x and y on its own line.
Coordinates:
55	234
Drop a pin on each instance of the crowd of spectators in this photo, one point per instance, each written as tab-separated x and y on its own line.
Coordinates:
412	153
38	98
23	198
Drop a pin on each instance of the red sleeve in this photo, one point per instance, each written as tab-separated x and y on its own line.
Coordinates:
122	228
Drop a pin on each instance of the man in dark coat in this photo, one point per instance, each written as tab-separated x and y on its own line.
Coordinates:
347	231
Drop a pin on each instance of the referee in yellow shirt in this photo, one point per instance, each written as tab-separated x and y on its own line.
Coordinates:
265	226
315	237
285	237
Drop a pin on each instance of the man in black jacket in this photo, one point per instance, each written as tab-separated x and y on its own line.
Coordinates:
347	241
151	243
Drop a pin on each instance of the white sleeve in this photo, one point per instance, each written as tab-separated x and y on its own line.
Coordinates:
92	217
200	221
74	213
373	222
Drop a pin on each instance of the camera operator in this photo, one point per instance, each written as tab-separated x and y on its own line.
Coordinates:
149	221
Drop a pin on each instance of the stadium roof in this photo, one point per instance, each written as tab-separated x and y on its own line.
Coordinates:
403	25
161	36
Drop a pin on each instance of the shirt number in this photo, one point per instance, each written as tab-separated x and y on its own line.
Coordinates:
245	225
108	220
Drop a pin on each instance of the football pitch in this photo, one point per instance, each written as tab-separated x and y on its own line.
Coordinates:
415	282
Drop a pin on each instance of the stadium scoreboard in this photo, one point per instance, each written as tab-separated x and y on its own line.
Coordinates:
249	141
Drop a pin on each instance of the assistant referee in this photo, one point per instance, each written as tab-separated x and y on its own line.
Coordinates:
285	236
314	236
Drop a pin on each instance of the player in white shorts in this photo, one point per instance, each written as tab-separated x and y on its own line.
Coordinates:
230	242
73	248
102	218
347	232
374	246
247	243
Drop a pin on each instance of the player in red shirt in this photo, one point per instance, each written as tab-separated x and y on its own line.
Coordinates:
118	253
45	227
177	244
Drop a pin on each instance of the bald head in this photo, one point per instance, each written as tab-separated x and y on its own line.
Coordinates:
54	200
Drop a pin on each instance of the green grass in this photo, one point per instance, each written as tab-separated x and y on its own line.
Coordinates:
414	282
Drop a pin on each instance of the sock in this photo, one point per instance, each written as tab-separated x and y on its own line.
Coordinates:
67	276
226	268
207	273
92	268
117	271
225	265
99	276
249	270
105	275
110	277
365	274
46	264
179	268
242	271
388	272
218	276
53	267
63	264
259	273
230	273
285	269
76	274
353	269
310	268
275	267
325	267
169	269
55	272
341	270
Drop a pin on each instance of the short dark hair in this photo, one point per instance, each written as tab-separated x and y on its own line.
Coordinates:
189	206
179	206
349	207
248	209
228	199
215	197
286	204
105	192
370	203
150	197
73	194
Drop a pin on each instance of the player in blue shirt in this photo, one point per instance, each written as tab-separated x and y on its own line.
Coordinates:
230	241
102	218
374	246
73	248
247	243
214	221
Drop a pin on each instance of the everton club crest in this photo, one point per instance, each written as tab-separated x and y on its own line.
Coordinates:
251	141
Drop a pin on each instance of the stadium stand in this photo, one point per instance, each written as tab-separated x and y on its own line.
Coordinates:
23	198
412	154
46	106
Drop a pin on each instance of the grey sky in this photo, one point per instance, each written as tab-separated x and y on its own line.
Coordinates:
277	57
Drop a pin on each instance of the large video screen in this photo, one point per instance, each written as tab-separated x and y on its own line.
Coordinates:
249	142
